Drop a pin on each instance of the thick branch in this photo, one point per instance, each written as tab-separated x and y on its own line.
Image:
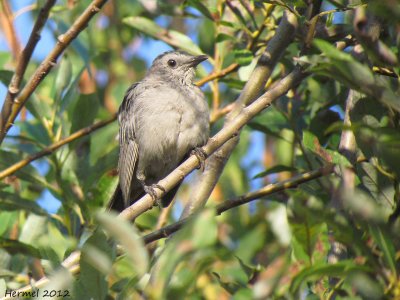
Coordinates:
23	60
228	132
50	149
256	83
41	72
246	198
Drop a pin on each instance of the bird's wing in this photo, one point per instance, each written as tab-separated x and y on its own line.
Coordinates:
128	146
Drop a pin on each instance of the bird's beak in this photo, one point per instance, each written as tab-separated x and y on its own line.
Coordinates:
196	60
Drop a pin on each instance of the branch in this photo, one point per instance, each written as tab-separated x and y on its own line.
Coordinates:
72	262
6	21
367	29
229	69
246	198
228	132
10	113
256	83
50	149
23	60
82	132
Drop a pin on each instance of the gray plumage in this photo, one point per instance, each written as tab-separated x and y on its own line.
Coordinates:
162	119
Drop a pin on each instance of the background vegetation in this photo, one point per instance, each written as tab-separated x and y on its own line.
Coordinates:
317	155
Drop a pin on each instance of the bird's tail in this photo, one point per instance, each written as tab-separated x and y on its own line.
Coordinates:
117	202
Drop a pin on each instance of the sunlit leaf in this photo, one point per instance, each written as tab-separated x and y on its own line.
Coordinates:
174	38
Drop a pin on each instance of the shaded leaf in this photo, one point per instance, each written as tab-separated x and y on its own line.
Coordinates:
10	202
230	287
92	283
128	237
386	245
15	246
274	170
243	57
318	270
200	7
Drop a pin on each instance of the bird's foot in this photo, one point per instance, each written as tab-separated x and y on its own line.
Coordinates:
151	190
201	156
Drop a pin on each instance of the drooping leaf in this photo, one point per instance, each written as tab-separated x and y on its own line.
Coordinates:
15	246
386	245
200	7
333	270
92	283
127	236
274	170
11	202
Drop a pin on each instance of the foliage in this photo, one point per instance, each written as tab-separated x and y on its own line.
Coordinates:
336	236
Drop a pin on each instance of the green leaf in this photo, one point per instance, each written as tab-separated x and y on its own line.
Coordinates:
83	113
249	270
386	245
27	173
221	37
230	287
331	51
200	7
11	202
173	38
7	221
127	235
195	240
361	204
5	77
233	83
13	247
274	170
319	270
243	57
63	77
344	68
310	141
92	283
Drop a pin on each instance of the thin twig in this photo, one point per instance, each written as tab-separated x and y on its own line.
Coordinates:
11	110
246	198
23	60
50	149
229	69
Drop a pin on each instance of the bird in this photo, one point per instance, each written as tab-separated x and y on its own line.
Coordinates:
163	118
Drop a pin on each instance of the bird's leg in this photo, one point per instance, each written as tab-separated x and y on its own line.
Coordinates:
151	190
201	156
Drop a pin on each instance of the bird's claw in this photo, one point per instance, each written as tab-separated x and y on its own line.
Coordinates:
151	190
201	155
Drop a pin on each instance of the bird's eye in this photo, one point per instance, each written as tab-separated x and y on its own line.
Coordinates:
172	63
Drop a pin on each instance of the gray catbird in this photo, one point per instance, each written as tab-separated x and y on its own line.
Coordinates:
162	119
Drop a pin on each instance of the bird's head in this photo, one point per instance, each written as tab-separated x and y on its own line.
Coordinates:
176	65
